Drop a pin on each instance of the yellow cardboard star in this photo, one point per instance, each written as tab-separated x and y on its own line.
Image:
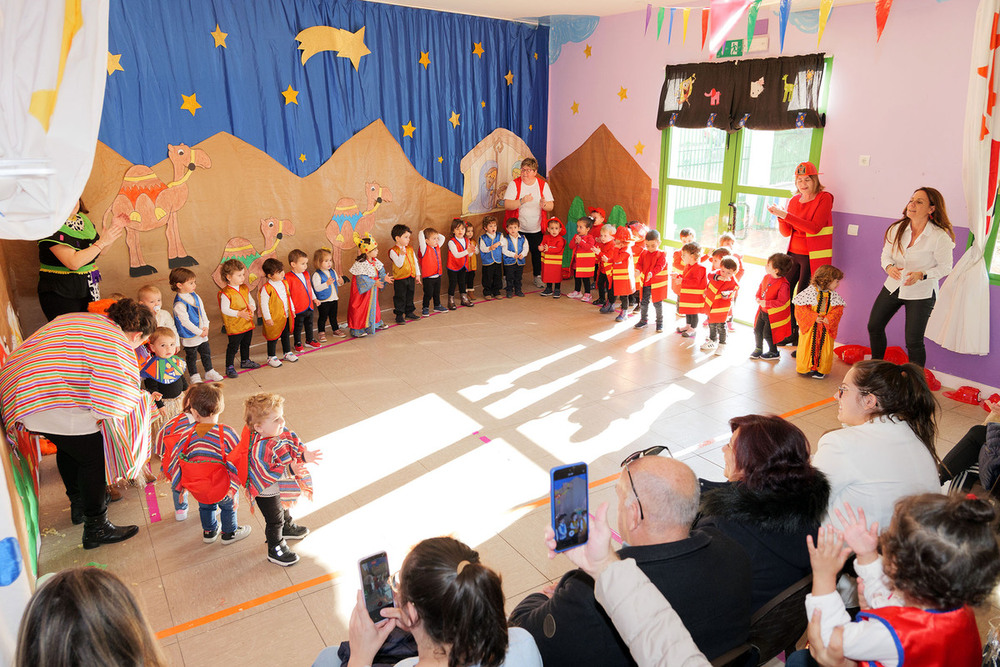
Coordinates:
483	104
536	56
477	49
302	157
454	119
440	159
114	63
575	107
530	128
291	96
409	128
509	77
638	148
586	51
219	37
623	93
425	59
190	103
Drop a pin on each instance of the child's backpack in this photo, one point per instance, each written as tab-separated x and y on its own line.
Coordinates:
206	480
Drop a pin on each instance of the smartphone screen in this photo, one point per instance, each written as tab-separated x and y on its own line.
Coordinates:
569	505
375	584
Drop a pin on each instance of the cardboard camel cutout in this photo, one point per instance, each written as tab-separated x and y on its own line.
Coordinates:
348	218
273	230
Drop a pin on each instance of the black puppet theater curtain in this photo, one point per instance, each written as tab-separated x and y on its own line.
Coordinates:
758	94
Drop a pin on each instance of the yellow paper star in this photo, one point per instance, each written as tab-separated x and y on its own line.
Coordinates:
477	49
291	96
509	77
425	59
586	51
190	103
219	37
575	107
409	128
536	56
352	46
440	159
623	93
530	128
454	119
114	63
302	157
483	104
638	148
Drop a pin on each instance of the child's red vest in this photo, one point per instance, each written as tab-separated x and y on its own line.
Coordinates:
300	294
928	637
456	263
430	262
780	317
716	305
691	299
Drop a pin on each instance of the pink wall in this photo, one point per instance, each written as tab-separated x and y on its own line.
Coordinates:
901	101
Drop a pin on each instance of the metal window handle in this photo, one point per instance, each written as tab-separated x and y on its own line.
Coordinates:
731	228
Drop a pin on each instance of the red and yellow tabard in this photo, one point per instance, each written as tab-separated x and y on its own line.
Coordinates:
430	262
780	314
552	258
718	306
691	299
409	267
607	257
622	271
456	263
584	255
655	262
238	300
270	303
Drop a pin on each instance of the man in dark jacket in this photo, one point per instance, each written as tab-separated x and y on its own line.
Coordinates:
703	574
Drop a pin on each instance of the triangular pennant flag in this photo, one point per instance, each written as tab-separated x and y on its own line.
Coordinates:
784	9
670	28
649	13
724	15
882	8
704	27
752	22
825	7
659	22
687	15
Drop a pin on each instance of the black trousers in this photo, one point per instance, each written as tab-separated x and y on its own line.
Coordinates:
534	239
762	332
800	274
286	346
456	279
604	288
191	355
513	274
582	285
717	332
327	310
963	455
492	279
80	460
432	291
239	341
691	318
470	278
54	305
402	296
918	311
274	518
647	295
303	320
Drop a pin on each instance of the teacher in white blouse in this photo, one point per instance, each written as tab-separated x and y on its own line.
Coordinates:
917	254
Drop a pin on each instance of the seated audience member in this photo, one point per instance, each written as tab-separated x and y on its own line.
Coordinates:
703	574
453	605
773	499
970	461
85	616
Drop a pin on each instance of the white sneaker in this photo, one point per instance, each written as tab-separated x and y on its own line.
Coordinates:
237	535
291	356
574	295
708	346
213	376
195	378
538	282
180	515
720	349
274	362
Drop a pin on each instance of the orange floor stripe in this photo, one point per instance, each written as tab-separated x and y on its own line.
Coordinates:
264	599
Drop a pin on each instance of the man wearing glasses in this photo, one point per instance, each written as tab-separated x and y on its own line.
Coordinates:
705	575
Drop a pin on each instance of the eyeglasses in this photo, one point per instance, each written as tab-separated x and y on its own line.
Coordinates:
842	389
649	451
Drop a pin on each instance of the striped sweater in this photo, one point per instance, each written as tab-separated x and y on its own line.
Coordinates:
274	460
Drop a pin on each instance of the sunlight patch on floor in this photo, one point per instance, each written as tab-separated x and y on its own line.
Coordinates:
525	398
498	383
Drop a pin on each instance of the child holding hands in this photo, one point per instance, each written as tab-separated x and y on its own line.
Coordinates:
719	296
584	259
429	252
458	250
939	557
552	254
691	297
653	267
515	249
405	275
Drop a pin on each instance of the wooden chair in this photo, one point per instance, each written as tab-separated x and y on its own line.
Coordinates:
779	624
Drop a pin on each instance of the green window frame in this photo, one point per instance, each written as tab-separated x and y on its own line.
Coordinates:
991	244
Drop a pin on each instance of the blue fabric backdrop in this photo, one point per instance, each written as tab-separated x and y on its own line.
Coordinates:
167	50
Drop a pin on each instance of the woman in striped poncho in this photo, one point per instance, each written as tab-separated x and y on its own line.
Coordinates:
75	381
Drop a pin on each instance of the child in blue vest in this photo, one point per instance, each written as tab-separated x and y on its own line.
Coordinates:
491	254
514	249
192	324
325	282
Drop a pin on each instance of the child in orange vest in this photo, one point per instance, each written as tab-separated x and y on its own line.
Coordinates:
303	298
719	296
237	308
471	261
458	250
653	268
622	272
405	275
431	268
584	259
694	280
552	246
276	310
774	314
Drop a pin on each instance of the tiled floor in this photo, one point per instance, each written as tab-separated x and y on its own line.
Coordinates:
443	426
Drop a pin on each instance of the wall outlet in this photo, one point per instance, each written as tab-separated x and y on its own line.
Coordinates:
864	160
852	230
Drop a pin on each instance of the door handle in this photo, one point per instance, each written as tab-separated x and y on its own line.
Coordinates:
732	218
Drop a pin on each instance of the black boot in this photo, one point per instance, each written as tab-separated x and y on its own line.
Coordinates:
97	530
75	510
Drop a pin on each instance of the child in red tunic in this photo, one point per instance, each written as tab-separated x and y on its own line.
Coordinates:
939	559
584	259
604	249
652	268
719	296
677	263
622	272
552	246
774	312
694	280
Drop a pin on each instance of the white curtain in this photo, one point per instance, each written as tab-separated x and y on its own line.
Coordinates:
53	66
961	318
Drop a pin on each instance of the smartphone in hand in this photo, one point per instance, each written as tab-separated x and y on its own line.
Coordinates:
570	520
375	584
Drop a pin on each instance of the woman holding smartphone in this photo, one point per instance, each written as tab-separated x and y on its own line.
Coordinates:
453	605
